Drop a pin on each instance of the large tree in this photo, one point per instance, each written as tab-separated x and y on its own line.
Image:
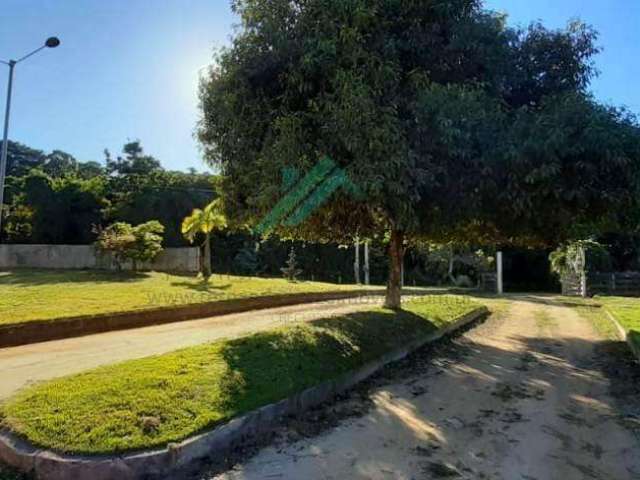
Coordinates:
21	158
450	124
133	161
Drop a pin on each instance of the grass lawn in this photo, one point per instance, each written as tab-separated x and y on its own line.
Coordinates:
28	295
627	312
148	402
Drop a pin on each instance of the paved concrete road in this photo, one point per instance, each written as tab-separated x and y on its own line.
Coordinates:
20	366
521	397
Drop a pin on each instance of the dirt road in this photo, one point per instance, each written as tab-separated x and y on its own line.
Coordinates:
524	396
20	366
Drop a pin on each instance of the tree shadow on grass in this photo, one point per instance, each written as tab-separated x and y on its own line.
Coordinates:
201	286
276	364
29	277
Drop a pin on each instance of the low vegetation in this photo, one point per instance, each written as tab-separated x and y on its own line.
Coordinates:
152	401
124	242
627	312
29	295
598	317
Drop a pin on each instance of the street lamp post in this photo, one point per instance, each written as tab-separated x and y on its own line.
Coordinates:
52	42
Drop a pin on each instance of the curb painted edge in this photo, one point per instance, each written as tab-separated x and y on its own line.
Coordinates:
214	445
26	333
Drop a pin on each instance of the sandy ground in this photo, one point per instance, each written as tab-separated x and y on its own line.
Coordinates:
531	394
20	366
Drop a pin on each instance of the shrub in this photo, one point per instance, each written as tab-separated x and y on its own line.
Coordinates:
123	241
291	271
574	257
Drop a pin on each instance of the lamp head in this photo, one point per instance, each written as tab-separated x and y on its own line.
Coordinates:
52	42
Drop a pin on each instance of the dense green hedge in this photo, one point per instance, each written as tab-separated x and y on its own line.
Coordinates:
236	254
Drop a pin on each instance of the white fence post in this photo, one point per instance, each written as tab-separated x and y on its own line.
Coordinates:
356	263
499	282
583	273
366	263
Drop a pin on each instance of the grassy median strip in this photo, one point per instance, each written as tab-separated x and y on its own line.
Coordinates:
149	402
627	311
598	317
31	295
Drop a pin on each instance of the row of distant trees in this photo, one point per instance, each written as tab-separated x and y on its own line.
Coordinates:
53	198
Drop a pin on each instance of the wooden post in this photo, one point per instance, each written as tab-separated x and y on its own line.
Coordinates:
366	263
500	284
356	263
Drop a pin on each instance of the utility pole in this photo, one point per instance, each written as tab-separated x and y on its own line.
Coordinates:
52	42
5	140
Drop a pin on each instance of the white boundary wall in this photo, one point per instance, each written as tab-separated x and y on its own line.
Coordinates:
86	257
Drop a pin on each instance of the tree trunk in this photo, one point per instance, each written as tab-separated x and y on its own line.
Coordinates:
393	299
206	271
452	279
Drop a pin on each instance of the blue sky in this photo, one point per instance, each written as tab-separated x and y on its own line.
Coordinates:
128	69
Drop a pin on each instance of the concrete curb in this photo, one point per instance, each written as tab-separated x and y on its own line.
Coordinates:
212	446
622	332
46	330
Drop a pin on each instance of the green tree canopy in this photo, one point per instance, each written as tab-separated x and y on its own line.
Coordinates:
40	206
442	116
21	158
133	161
163	195
59	210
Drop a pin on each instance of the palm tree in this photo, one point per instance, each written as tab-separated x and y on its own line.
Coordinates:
205	221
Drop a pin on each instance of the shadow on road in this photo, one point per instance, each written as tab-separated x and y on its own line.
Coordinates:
463	393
